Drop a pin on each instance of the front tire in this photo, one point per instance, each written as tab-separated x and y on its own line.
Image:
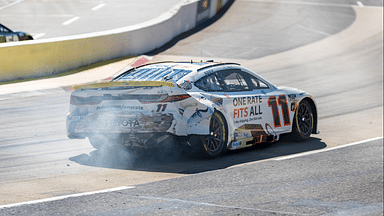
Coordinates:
303	121
216	142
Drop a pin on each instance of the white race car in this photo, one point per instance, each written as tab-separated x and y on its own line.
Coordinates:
210	106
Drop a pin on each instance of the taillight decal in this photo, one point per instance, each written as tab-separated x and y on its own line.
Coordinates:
161	98
175	98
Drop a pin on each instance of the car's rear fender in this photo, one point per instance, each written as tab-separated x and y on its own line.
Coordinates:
189	116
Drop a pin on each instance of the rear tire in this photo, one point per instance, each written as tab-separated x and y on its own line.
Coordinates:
302	122
216	142
96	143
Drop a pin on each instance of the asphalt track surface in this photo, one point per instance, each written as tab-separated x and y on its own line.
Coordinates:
57	18
307	185
340	63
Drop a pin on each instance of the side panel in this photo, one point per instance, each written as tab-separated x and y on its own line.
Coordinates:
257	116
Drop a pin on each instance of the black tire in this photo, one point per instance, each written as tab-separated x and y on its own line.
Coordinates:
215	143
302	122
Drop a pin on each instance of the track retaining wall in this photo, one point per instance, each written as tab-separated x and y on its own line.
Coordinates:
26	59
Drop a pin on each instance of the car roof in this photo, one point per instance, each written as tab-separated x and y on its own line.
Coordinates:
190	66
186	65
179	72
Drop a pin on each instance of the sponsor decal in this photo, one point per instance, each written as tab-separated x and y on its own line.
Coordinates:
236	144
256	131
238	135
274	103
137	123
75	118
123	123
250	100
199	115
120	107
241	135
161	107
247	108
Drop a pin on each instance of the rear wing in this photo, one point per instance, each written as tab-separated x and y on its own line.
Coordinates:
123	84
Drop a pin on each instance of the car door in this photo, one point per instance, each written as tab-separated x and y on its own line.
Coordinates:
276	118
255	111
244	101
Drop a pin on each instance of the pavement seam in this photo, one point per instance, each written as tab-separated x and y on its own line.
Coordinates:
215	205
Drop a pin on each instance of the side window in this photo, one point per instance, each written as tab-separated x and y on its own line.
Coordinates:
232	80
209	83
235	80
3	29
258	84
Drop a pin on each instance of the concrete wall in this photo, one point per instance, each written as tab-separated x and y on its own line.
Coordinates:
52	56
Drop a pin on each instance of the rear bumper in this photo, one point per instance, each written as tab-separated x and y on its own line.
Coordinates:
80	126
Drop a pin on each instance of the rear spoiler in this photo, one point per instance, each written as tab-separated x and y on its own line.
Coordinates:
123	84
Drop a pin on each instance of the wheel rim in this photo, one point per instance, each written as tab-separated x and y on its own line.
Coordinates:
215	140
304	119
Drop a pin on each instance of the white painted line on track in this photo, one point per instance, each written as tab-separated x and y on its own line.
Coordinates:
65	197
360	3
326	149
37	35
71	20
9	5
98	6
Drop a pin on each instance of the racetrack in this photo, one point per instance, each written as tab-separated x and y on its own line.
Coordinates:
293	44
56	18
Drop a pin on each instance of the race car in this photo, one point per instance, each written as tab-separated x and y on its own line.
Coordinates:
210	106
7	35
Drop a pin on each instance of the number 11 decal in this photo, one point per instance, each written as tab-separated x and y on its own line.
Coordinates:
273	103
161	107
